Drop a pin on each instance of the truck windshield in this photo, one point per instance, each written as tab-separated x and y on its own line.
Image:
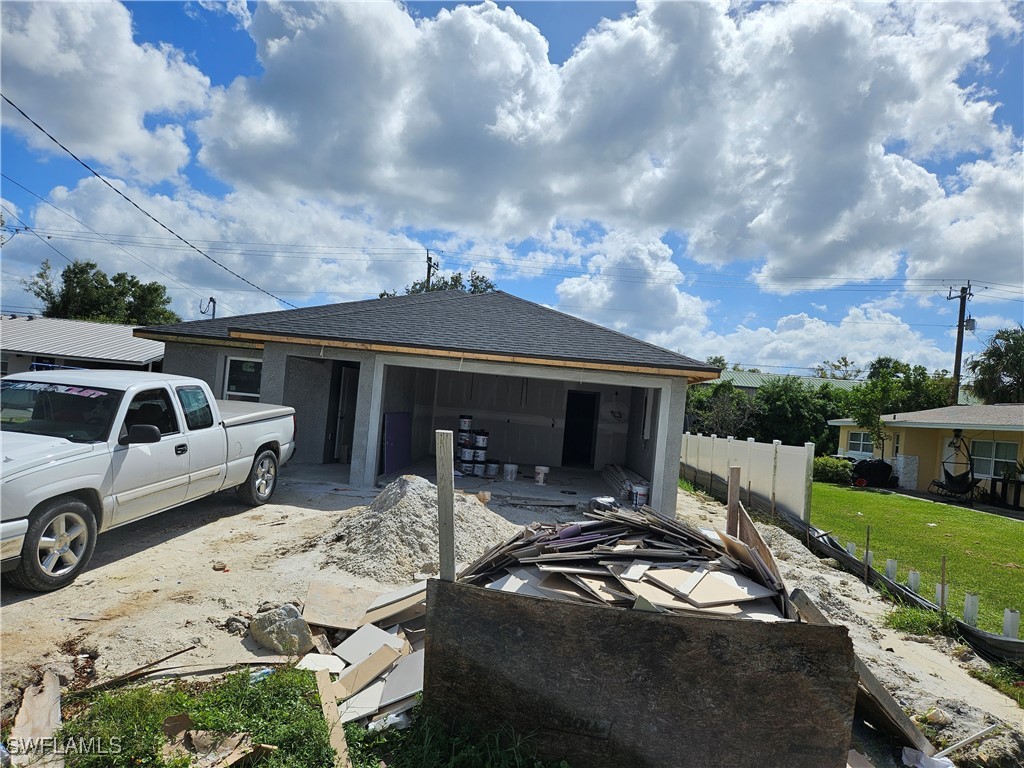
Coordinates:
79	414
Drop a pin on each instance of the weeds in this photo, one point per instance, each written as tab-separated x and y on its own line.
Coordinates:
920	621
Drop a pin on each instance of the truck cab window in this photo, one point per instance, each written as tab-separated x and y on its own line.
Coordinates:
153	407
198	414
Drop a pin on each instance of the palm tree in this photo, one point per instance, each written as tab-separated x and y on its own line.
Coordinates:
998	369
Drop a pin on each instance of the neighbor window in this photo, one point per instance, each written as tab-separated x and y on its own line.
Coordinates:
992	458
242	379
860	442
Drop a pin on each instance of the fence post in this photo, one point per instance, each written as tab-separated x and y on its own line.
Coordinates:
914	581
851	548
750	461
971	609
943	592
686	455
890	570
732	514
775	468
711	467
808	481
1011	623
445	504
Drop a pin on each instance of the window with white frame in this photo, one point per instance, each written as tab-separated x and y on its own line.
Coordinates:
242	379
860	442
991	458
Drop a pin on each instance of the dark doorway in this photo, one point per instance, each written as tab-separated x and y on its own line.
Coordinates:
341	412
580	428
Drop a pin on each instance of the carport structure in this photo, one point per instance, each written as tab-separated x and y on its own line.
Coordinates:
372	380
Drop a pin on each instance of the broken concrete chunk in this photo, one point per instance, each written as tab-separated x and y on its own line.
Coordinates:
282	630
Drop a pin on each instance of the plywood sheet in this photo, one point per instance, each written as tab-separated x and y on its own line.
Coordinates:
333	605
558	586
753	590
365	641
362	674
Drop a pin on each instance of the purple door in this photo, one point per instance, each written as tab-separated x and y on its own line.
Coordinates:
397	441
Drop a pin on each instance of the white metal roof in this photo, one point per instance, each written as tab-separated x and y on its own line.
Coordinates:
76	340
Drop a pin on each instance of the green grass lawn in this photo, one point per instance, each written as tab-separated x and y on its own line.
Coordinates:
984	553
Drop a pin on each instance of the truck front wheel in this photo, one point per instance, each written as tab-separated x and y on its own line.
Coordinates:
262	480
58	545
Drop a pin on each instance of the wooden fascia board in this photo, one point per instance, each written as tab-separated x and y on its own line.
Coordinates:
484	356
199	341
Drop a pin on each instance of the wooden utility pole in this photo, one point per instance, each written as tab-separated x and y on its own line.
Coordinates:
431	266
963	296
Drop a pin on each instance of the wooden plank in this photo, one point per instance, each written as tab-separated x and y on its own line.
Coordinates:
876	704
396	609
445	503
362	674
333	718
732	523
332	605
38	718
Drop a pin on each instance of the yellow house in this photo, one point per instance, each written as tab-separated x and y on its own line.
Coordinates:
921	444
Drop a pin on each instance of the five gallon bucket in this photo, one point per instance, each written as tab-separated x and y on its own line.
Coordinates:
640	494
480	454
478	468
465	423
539	473
466	454
480	438
491	469
511	470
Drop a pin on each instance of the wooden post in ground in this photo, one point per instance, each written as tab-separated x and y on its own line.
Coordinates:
445	504
732	514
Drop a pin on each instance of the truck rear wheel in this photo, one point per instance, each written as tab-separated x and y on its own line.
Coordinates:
262	480
58	545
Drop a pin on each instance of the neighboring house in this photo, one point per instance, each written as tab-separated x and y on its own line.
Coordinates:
921	443
27	341
372	380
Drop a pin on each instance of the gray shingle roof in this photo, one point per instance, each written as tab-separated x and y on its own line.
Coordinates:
1006	416
76	339
489	323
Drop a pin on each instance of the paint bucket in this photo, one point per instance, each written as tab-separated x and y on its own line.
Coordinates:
481	438
511	470
466	454
640	493
491	469
465	423
480	454
466	467
626	492
478	468
465	438
539	473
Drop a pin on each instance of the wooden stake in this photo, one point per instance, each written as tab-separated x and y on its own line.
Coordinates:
942	593
867	559
732	520
445	504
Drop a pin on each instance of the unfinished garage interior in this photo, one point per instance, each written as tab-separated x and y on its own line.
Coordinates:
372	380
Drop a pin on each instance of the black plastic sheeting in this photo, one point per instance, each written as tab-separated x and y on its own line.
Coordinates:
987	645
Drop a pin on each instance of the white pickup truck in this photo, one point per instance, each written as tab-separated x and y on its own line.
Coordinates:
87	451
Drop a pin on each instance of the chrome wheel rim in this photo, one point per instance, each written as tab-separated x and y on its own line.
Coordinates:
62	544
266	476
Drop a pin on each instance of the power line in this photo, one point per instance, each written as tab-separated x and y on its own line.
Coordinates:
142	210
27	228
185	285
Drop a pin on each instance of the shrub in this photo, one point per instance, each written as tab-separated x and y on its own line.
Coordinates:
829	470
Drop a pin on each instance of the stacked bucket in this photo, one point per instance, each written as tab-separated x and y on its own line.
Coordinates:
471	450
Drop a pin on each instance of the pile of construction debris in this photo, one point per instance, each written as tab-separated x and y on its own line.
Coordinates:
635	559
394	539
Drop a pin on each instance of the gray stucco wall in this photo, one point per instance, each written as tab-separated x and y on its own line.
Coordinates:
640	452
206	362
670	426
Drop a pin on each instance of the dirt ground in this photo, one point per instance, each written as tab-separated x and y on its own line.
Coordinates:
152	590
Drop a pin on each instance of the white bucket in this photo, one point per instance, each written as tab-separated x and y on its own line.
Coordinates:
491	469
465	423
480	438
478	468
480	454
511	470
640	493
539	473
466	454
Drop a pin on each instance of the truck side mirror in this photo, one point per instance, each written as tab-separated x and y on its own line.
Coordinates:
139	433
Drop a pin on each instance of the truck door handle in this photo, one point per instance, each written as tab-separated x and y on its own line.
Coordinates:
180	449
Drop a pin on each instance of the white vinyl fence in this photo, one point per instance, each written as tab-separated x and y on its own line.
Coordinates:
773	476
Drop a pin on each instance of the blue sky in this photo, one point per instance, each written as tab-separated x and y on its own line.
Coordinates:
778	184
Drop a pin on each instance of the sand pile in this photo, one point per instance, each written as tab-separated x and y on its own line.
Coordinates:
395	538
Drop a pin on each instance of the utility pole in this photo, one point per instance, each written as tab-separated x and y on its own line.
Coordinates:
963	296
211	305
431	266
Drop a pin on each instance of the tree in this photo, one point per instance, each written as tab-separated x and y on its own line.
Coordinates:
842	368
720	409
84	292
893	386
998	370
477	284
796	412
717	361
